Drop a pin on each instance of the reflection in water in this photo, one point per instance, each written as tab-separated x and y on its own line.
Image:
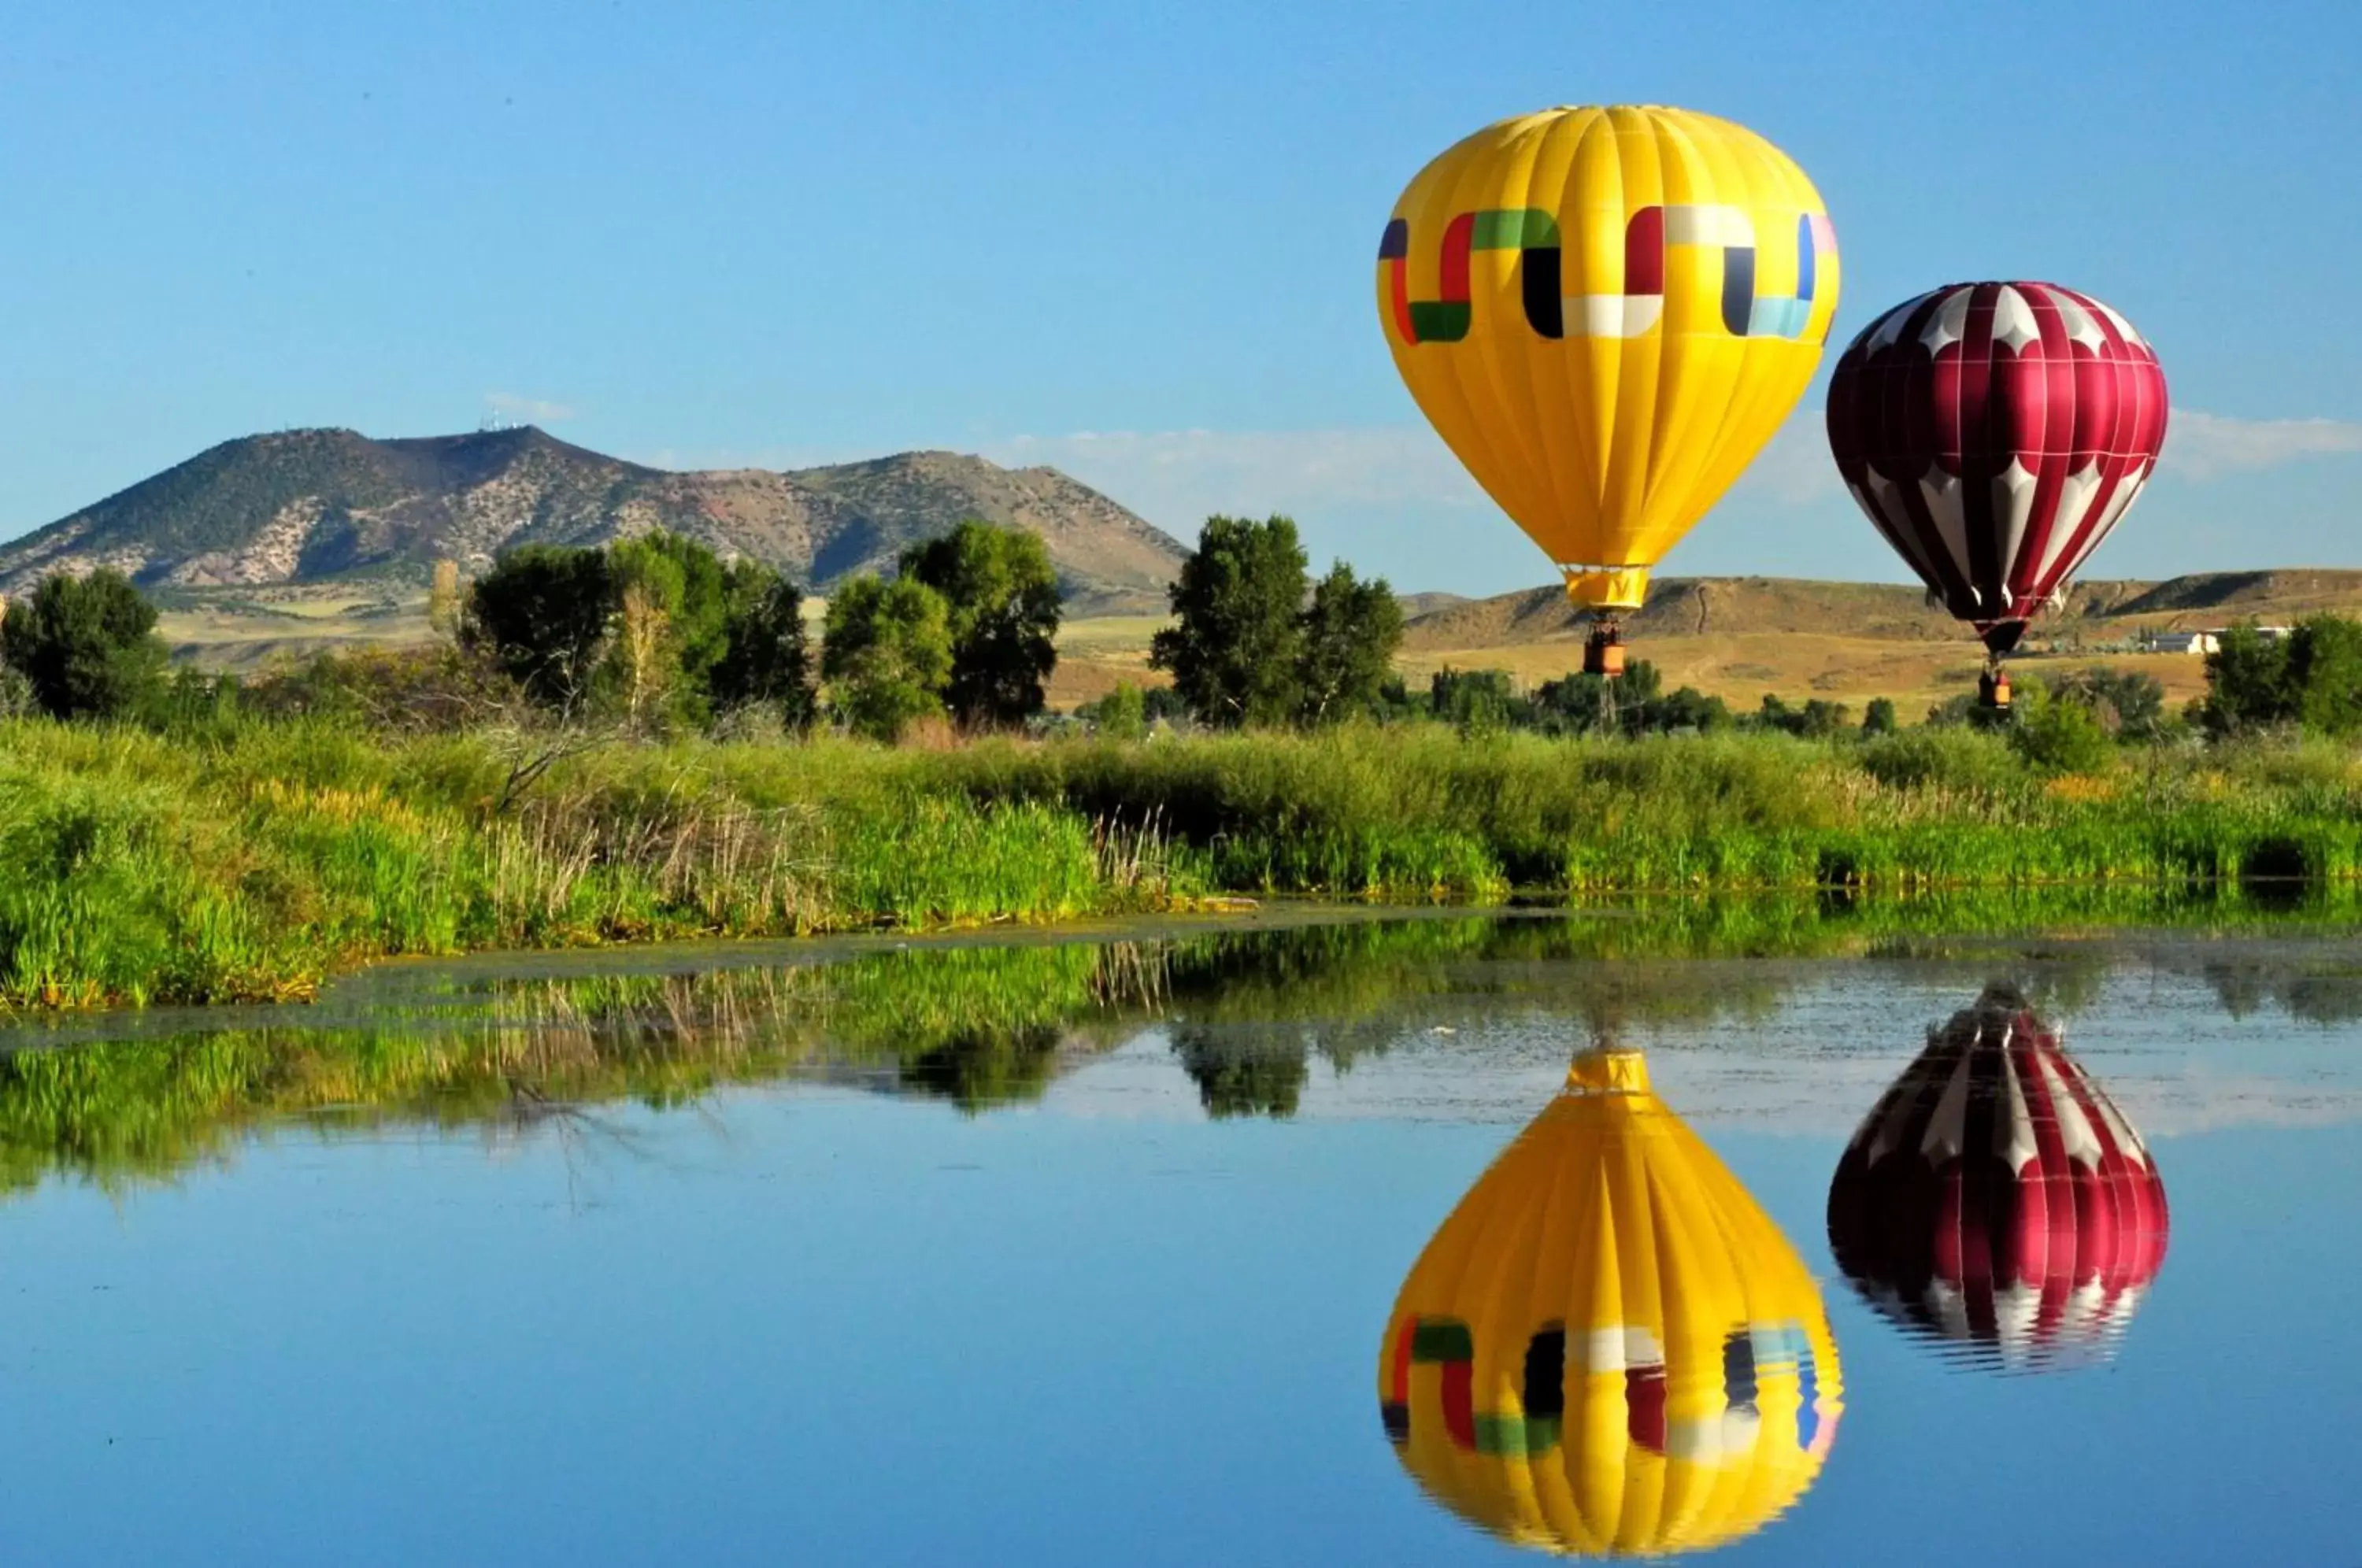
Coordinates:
1256	1017
1608	1347
1996	1199
980	1026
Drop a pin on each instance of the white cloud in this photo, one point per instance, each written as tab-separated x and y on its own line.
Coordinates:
1175	478
536	410
2208	445
1180	476
1794	469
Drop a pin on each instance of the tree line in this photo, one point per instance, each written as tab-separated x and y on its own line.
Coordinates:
657	633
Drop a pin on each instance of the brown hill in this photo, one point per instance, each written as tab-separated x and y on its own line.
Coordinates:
1743	606
1740	637
310	505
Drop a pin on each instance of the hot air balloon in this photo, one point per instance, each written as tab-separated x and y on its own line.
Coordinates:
1994	433
1605	313
1997	1200
1607	1348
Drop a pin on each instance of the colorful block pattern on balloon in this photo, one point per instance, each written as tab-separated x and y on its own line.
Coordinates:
1639	308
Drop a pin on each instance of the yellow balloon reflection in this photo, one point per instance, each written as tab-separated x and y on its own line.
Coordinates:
1608	1348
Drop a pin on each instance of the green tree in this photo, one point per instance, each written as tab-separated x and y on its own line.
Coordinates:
86	645
1351	631
1163	704
886	655
542	614
1582	705
1234	655
1816	719
765	661
2128	704
2247	685
1122	713
700	629
2325	668
642	669
1473	701
1878	718
1685	708
1001	594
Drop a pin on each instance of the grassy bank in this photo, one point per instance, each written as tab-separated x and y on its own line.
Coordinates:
138	868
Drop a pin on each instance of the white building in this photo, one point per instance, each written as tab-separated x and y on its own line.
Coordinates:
2179	642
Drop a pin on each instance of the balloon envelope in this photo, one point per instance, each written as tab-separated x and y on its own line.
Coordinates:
1995	1198
1995	433
1605	313
1608	1348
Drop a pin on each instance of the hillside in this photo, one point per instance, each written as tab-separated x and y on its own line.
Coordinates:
1740	637
305	507
1742	606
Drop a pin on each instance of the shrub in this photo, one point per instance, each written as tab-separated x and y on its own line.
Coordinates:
2058	735
1122	713
16	698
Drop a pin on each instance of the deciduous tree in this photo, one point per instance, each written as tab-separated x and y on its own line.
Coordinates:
2247	683
1000	593
1239	598
1351	631
642	671
2324	665
764	660
886	655
86	645
542	614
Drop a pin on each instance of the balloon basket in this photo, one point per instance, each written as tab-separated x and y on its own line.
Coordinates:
1992	690
1603	653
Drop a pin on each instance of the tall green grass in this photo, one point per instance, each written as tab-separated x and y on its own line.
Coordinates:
135	868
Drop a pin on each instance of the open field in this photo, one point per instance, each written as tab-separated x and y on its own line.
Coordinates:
248	628
1740	668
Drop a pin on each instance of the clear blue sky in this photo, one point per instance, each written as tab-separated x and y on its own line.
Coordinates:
1135	242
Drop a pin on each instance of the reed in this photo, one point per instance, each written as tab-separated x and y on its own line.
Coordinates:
137	868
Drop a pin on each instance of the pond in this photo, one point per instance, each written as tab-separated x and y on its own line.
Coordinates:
1446	1238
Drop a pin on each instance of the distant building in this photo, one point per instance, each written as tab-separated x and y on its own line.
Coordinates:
2179	642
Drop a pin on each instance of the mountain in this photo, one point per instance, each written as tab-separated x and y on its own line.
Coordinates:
303	506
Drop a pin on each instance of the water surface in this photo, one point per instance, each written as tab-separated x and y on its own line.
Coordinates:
1085	1252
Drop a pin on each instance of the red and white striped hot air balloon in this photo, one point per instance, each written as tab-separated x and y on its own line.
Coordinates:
1994	433
1996	1197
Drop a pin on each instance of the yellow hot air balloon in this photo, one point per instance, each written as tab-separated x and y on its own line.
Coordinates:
1605	313
1608	1348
